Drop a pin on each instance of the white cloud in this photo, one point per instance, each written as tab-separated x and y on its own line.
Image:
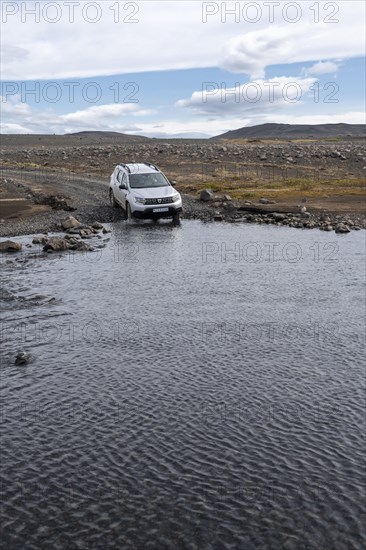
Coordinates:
99	115
322	67
250	99
171	35
19	117
252	52
14	129
14	107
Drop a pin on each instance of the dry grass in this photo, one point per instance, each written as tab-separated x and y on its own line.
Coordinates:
280	190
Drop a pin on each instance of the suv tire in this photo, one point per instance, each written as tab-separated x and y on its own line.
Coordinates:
128	214
112	200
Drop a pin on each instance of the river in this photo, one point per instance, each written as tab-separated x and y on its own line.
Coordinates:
191	387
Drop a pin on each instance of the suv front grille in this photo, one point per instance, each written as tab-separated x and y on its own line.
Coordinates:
166	200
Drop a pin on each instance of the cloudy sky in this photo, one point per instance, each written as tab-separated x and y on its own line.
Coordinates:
166	68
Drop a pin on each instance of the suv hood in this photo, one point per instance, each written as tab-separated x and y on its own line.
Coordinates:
154	192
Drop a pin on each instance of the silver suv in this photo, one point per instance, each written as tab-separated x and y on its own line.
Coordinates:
142	191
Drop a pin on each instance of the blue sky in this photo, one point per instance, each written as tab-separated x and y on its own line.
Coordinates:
190	78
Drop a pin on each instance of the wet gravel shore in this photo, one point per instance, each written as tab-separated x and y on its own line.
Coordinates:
193	209
88	198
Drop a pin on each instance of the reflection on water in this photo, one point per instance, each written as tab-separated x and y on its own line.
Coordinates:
198	386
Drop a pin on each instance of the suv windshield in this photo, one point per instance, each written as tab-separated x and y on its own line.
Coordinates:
140	181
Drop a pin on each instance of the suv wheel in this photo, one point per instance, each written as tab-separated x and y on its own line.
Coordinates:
128	214
176	218
112	200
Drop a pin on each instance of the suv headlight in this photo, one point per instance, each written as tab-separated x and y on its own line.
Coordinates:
176	197
139	201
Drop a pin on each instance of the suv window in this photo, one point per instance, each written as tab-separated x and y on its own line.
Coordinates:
151	179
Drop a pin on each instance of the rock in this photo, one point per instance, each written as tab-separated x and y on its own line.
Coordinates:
22	358
342	228
97	225
70	223
328	228
40	240
266	201
85	233
55	202
206	195
218	217
10	246
105	230
80	245
56	244
227	198
305	214
303	209
278	217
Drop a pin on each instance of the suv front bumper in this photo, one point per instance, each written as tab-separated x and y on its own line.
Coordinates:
149	214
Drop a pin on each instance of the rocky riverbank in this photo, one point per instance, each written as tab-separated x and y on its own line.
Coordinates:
219	209
76	236
304	184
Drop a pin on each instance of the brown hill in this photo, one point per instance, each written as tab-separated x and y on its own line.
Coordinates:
283	131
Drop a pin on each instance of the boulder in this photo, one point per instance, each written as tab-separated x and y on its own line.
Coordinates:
206	195
22	358
342	228
10	246
56	244
70	223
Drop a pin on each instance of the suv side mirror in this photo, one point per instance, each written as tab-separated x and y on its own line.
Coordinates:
122	186
173	183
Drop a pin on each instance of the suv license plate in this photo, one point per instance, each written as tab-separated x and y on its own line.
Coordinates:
160	209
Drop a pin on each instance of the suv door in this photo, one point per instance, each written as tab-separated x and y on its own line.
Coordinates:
121	193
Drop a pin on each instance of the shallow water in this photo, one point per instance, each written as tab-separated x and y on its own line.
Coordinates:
191	387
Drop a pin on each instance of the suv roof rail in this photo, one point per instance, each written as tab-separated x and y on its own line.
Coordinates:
151	166
125	166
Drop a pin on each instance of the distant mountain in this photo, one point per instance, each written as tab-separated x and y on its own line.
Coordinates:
183	135
283	131
97	134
